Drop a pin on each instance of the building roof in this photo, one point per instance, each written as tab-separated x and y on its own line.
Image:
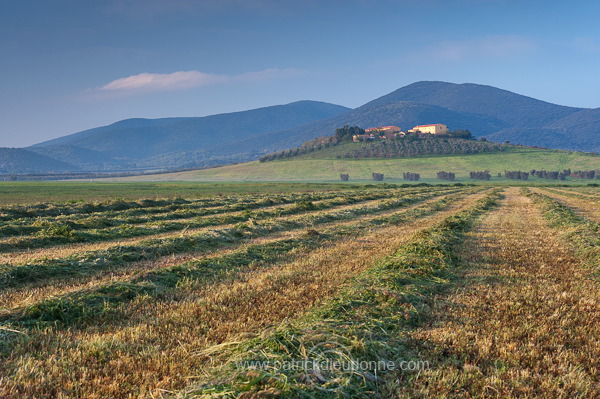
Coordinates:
382	128
433	124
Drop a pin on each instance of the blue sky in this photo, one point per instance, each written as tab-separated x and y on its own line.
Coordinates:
70	65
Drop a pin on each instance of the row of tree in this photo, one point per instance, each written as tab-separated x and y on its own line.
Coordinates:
294	152
411	176
377	176
552	175
516	174
586	174
450	176
485	175
428	146
480	175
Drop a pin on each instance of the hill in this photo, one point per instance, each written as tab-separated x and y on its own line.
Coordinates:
577	131
487	111
82	158
174	142
326	166
170	143
400	147
18	161
509	109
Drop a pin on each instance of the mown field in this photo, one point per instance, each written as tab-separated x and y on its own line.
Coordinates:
32	192
302	291
323	166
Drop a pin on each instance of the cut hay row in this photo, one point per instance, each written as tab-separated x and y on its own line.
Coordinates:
48	232
584	207
73	210
181	210
91	302
523	320
15	213
29	294
90	263
158	337
575	227
362	324
575	192
195	225
590	192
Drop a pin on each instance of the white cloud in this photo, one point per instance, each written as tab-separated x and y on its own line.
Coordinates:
166	81
181	80
499	46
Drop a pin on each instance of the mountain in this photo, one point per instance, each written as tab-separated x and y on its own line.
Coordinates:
81	158
170	143
579	131
19	161
153	143
496	114
510	108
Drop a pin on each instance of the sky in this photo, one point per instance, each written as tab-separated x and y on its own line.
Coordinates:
71	65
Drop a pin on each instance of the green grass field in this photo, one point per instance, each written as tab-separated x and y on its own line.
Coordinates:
327	168
52	191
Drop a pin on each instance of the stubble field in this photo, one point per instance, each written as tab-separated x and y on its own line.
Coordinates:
447	291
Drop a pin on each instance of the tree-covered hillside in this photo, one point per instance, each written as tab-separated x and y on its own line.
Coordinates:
18	160
173	142
341	145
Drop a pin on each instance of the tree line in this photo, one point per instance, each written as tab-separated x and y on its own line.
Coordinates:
553	175
450	176
377	176
411	176
403	148
480	175
486	175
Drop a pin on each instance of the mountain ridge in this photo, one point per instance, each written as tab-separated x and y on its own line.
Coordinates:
169	143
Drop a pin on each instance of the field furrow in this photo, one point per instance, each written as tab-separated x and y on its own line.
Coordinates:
95	289
43	233
194	225
522	321
93	262
19	297
327	352
588	192
159	335
585	207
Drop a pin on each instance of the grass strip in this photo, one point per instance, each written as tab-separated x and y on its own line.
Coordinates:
574	194
11	213
343	349
68	228
163	211
92	262
96	229
581	233
92	305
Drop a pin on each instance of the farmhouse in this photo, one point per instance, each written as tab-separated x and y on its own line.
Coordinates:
436	128
386	132
362	137
383	130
